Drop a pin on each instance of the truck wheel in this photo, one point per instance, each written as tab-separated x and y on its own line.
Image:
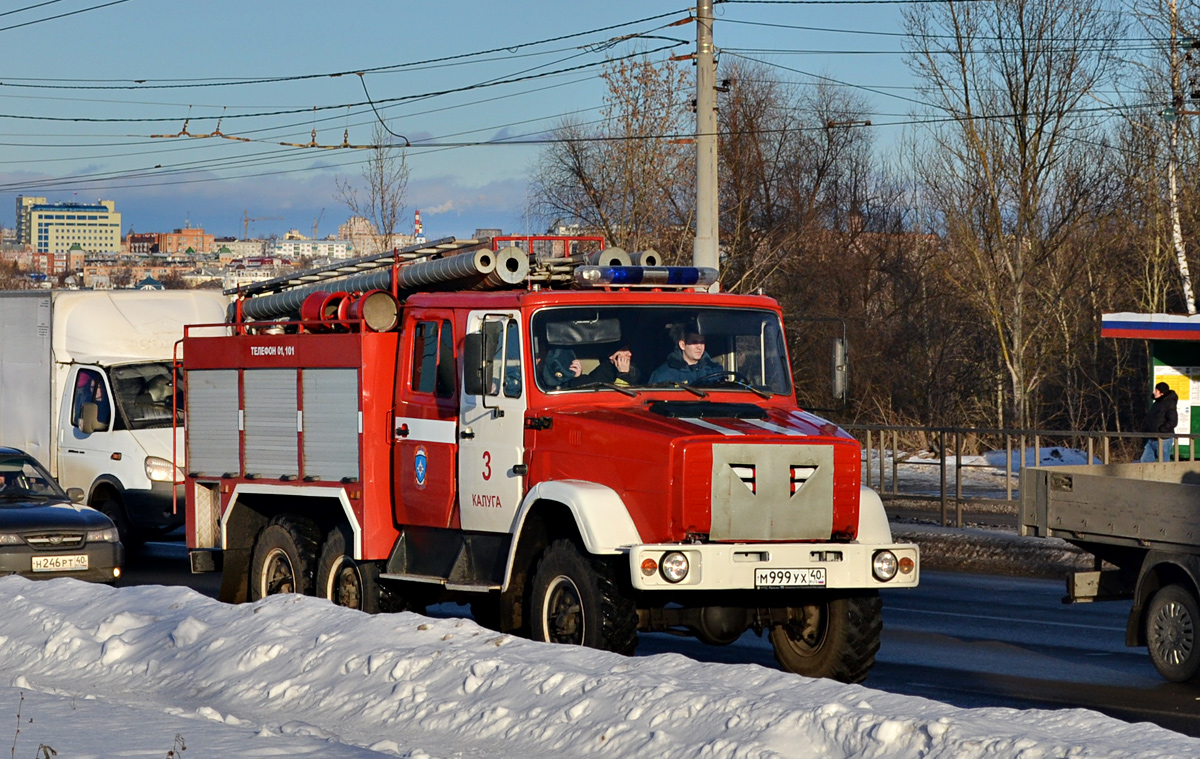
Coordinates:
1171	620
284	558
574	599
111	507
345	581
836	639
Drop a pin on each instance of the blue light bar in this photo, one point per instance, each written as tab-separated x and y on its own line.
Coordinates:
645	276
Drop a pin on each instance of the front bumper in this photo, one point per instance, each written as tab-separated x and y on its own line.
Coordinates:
731	566
103	560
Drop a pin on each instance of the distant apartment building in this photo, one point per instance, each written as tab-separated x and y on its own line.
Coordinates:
228	249
141	244
57	228
360	233
24	205
107	272
185	241
295	249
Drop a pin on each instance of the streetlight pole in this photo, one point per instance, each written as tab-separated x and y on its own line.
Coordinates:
704	251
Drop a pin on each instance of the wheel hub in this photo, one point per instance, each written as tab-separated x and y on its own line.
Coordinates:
279	577
1175	633
564	612
347	589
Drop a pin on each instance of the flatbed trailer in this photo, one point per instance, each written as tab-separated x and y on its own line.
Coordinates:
1142	524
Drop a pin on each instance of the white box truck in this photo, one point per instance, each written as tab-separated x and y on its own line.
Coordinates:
87	386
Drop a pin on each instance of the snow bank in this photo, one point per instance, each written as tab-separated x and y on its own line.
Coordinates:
112	672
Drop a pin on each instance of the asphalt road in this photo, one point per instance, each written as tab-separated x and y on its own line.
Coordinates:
969	640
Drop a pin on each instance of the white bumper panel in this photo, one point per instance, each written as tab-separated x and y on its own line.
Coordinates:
731	566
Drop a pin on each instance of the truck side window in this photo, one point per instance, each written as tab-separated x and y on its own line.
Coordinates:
512	360
433	359
445	368
90	398
424	363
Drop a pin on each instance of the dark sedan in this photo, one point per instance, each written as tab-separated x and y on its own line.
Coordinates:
46	533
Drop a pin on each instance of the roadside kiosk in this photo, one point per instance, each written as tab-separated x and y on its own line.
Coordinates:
1174	359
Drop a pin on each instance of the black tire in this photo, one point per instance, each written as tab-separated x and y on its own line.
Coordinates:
1171	621
836	639
285	557
111	507
574	599
344	580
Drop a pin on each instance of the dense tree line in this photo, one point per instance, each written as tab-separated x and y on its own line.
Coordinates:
971	263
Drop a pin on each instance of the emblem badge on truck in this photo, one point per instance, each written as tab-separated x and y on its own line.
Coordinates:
420	466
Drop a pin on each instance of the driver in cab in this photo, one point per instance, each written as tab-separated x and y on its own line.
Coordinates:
689	362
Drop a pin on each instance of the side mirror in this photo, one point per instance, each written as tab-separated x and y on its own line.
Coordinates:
841	382
473	383
76	495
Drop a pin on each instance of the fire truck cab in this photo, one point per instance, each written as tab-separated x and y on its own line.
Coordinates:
576	464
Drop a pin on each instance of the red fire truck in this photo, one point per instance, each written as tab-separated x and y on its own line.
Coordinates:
578	447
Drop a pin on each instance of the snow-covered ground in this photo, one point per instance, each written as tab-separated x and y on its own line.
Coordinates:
100	672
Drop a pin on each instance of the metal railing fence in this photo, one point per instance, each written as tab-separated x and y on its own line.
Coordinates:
898	459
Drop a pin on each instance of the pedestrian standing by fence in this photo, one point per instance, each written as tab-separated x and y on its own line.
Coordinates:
1162	418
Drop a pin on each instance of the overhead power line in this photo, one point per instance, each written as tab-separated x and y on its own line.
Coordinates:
152	84
61	15
339	106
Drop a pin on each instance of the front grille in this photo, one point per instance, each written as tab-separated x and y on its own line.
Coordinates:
771	492
54	541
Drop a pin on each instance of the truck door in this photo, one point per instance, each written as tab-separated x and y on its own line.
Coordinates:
492	428
86	422
426	422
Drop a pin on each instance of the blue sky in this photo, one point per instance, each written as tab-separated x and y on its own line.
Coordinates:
82	95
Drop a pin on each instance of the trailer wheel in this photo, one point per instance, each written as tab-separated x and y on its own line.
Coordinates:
836	638
284	558
1171	620
344	580
574	599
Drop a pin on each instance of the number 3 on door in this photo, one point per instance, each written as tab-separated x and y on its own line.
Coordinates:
487	465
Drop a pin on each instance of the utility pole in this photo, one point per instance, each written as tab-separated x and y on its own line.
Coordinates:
704	252
1176	111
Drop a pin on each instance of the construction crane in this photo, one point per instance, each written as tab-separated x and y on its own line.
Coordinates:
317	221
246	222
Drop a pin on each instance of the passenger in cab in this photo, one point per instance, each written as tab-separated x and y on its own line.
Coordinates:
689	362
562	369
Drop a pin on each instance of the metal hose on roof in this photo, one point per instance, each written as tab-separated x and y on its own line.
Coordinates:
439	273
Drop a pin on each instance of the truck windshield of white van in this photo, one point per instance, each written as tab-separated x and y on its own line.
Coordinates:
144	393
642	347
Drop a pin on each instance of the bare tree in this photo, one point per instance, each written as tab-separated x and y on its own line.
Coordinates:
1006	174
628	178
382	200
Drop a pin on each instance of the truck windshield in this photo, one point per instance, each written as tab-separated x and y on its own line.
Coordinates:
144	393
659	347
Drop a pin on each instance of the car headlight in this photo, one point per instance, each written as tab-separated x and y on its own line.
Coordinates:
674	566
8	539
884	565
161	470
107	535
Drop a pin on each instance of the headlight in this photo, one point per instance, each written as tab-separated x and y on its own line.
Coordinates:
107	535
161	470
674	566
8	539
884	565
